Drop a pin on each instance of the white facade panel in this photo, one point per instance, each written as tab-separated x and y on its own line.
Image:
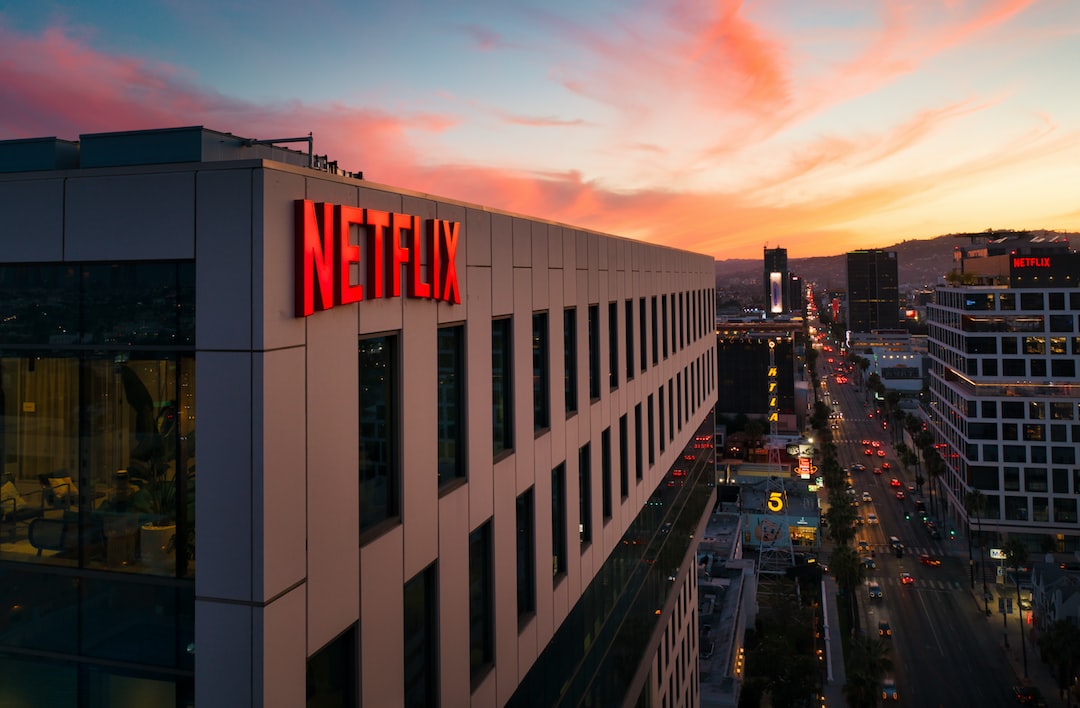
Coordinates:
223	259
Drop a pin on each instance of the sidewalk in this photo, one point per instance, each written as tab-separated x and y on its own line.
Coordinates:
1038	673
833	688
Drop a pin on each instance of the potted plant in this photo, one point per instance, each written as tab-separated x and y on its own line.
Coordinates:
149	473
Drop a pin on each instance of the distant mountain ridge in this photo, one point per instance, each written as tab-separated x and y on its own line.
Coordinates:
919	262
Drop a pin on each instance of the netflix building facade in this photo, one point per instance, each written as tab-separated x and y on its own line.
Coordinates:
275	435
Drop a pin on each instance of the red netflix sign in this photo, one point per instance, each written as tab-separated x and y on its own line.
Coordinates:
1030	262
325	256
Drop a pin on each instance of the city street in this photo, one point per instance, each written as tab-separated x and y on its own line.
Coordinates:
945	650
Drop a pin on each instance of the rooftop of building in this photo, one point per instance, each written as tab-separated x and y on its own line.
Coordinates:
156	147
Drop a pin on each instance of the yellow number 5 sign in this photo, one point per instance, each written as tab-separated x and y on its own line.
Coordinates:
776	501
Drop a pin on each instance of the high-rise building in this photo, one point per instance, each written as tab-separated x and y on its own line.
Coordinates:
1004	405
873	300
436	453
777	284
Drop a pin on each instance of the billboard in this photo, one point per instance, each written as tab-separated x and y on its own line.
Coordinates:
776	293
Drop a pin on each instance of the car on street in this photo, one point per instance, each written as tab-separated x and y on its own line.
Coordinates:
1029	695
907	579
900	495
868	451
883	629
869	563
886	466
864	545
877	470
867	497
888	690
881	453
871	518
927	559
875	591
894	482
858	468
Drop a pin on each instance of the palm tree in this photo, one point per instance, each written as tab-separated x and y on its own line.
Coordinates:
866	668
1016	553
1060	644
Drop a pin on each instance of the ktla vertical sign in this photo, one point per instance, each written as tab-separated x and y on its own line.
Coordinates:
325	256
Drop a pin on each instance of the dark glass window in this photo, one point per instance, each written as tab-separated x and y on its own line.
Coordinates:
639	457
989	367
1031	301
570	358
594	352
643	340
664	329
558	520
652	433
451	403
541	419
1013	367
421	605
605	473
502	384
378	434
624	457
1063	368
1062	323
585	495
526	554
481	607
629	340
613	344
671	410
663	438
655	333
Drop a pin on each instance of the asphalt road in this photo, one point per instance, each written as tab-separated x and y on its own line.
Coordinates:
945	650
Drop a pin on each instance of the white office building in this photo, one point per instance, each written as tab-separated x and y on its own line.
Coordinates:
446	455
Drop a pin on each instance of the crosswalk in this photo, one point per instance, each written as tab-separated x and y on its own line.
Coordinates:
888	581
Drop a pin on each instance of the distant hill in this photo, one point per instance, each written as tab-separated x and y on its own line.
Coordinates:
919	262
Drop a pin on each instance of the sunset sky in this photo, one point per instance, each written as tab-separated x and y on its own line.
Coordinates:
723	127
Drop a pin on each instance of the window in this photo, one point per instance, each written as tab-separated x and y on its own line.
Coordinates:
526	555
1031	301
605	473
332	672
671	410
639	457
584	495
664	329
421	640
502	410
541	420
481	609
624	458
613	345
594	352
629	339
558	521
663	438
655	334
451	403
570	358
652	433
378	435
642	339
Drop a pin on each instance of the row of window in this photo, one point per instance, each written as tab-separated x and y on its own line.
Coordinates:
1012	478
1008	301
1023	409
1024	508
379	402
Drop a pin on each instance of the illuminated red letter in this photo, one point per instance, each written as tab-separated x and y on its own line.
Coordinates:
417	286
376	221
347	254
314	257
451	230
398	253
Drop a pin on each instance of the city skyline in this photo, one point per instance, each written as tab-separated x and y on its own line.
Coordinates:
716	129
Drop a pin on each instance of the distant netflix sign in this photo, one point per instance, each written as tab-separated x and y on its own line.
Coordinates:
325	256
1029	262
